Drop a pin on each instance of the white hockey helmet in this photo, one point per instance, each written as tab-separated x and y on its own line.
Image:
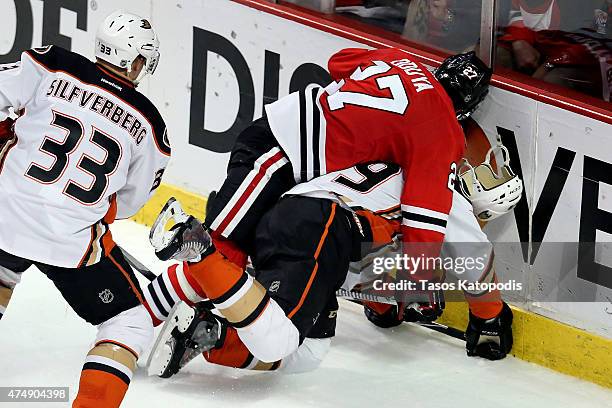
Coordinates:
492	194
122	37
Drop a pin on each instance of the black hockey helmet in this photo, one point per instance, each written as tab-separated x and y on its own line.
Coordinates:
466	80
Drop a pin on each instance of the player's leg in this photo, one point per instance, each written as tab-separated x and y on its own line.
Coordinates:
464	239
317	342
488	313
106	294
173	285
303	248
11	269
258	174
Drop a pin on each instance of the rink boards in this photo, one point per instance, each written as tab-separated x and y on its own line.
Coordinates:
222	61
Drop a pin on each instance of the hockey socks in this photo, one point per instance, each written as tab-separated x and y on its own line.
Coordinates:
486	304
106	375
238	297
235	354
170	287
259	321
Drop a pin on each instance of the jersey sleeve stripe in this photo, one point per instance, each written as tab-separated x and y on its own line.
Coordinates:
7	67
6	149
312	134
424	226
316	132
322	131
303	137
424	211
248	191
424	219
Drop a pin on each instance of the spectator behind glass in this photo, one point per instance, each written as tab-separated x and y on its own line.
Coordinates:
453	25
387	14
566	42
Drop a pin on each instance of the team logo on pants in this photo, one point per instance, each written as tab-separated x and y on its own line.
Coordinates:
106	296
274	286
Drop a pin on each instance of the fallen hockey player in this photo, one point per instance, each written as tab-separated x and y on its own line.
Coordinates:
302	250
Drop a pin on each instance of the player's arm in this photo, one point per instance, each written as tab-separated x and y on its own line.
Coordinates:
18	83
430	169
144	176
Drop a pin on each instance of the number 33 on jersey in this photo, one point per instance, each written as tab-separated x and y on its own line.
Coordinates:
88	148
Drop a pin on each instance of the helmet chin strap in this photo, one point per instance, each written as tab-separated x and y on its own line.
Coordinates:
141	75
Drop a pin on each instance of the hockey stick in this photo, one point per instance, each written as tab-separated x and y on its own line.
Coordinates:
137	265
357	297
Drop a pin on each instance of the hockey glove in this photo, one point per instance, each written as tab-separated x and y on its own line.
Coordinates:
381	314
387	315
426	311
492	338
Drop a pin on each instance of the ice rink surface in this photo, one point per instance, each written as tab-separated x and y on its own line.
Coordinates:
43	343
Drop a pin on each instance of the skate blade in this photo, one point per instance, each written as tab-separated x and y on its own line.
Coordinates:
180	317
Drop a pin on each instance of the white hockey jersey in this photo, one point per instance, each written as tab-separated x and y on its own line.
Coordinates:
87	148
375	187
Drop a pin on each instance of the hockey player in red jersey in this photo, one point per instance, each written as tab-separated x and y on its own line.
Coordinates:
86	149
301	254
381	106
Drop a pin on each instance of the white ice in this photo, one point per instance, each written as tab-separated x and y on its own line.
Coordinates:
43	343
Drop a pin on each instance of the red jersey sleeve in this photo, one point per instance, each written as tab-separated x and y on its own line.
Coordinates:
427	195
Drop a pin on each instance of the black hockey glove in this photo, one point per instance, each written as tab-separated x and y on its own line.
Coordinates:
386	316
382	318
492	338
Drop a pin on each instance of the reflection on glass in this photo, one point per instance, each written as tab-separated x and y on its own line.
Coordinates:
564	42
451	25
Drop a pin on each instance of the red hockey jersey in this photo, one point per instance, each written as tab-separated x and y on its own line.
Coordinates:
382	106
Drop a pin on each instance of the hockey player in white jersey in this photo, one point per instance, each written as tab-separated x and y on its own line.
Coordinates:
301	254
87	148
